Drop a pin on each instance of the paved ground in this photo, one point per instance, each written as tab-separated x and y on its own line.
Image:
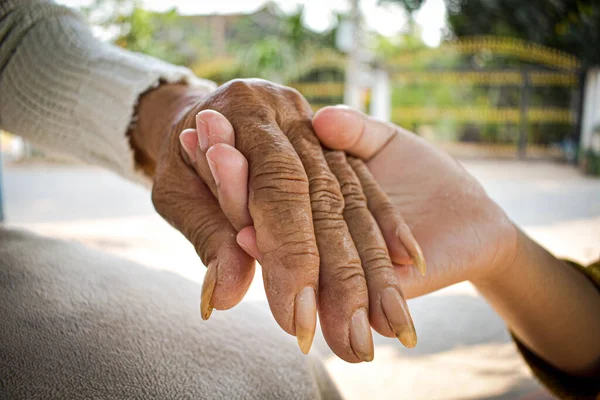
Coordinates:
464	351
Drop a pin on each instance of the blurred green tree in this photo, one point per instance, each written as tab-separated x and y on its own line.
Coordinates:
266	43
569	25
135	28
282	53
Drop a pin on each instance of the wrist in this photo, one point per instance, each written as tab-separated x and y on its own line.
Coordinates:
513	247
159	110
550	307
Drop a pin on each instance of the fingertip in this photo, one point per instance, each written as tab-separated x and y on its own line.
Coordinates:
189	142
229	169
225	155
344	128
219	128
235	272
246	238
338	127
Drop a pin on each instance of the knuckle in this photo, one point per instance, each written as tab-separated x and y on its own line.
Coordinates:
329	223
298	102
350	185
326	201
296	97
276	179
242	103
296	256
300	134
293	251
325	193
375	258
292	93
236	85
349	275
353	195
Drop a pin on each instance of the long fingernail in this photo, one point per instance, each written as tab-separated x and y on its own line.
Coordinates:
413	248
419	261
213	168
396	311
191	153
202	129
208	287
361	339
306	317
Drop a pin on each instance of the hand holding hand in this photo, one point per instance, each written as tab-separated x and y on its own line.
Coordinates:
317	240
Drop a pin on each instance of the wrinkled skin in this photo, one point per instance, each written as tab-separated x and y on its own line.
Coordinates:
309	210
463	233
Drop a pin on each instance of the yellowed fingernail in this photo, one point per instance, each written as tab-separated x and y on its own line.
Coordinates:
413	248
419	261
305	310
396	311
208	287
361	339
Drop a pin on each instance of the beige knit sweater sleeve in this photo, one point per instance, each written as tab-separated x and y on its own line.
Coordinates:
63	89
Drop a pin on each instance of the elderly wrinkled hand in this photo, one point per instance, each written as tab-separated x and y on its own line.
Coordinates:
317	218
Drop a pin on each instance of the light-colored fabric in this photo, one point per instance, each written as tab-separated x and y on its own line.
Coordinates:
78	324
63	89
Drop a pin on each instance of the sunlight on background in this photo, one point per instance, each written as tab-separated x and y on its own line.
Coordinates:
319	15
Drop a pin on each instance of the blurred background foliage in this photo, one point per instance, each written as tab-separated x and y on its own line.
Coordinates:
266	43
274	45
277	46
568	25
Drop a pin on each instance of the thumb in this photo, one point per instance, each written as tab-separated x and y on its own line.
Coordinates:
344	128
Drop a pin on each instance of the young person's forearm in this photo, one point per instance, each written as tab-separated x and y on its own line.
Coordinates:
552	308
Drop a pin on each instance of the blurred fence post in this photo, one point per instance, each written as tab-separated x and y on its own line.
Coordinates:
591	104
381	100
352	90
524	128
1	200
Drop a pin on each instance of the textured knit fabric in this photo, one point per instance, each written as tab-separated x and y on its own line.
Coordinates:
563	385
63	89
79	324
